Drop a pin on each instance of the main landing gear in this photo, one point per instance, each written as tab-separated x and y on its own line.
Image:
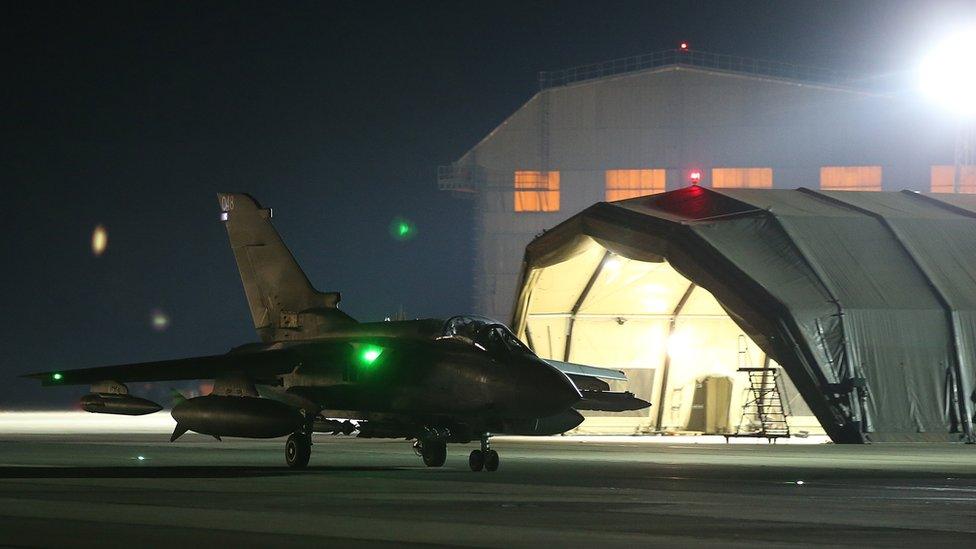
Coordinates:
298	447
433	452
485	458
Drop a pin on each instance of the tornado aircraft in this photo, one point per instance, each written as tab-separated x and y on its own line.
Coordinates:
316	369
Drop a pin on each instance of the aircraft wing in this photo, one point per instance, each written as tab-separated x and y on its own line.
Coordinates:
588	377
596	392
259	364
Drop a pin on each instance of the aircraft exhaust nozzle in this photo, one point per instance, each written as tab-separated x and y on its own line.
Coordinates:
232	416
125	405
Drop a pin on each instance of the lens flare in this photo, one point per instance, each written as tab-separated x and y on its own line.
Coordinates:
99	240
159	320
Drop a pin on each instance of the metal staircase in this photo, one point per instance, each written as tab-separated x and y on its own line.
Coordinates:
763	415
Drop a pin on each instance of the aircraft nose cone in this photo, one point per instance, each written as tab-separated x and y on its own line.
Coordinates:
570	394
550	390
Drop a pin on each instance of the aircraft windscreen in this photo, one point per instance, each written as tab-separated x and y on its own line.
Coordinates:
486	333
508	339
466	327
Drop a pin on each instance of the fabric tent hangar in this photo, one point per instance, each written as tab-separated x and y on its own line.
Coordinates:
867	300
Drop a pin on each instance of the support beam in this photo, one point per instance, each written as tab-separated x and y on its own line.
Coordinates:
528	338
579	303
667	356
857	416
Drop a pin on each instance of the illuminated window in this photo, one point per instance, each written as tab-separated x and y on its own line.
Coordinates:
942	179
623	184
742	178
850	178
536	191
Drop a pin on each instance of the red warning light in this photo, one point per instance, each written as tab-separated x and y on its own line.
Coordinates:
695	176
683	46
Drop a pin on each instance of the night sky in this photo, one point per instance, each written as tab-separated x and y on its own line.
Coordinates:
335	114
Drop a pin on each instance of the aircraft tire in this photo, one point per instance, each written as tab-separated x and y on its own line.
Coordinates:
434	453
491	460
476	460
298	450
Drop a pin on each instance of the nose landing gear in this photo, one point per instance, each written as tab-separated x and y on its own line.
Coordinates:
485	458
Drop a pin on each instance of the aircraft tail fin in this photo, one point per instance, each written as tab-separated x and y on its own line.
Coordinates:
283	303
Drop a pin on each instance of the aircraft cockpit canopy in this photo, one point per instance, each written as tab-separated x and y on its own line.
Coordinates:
466	326
488	334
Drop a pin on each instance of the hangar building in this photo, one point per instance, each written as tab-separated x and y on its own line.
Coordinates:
641	125
866	299
646	124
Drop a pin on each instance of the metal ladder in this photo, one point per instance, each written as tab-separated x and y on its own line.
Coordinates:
763	415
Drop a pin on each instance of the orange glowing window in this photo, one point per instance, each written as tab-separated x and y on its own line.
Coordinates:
742	178
536	191
624	184
942	179
850	178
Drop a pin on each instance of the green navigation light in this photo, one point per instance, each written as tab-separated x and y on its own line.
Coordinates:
369	354
402	229
56	376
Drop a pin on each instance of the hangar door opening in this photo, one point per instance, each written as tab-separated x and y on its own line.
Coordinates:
680	350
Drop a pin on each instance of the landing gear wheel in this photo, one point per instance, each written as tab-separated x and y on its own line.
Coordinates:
476	460
434	453
298	449
485	458
491	460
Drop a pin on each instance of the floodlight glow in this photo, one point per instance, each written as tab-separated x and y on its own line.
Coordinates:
681	344
56	376
947	75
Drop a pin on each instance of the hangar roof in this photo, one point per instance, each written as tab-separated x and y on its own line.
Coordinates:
658	69
868	300
702	60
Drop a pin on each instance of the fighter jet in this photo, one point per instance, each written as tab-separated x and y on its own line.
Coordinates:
316	369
